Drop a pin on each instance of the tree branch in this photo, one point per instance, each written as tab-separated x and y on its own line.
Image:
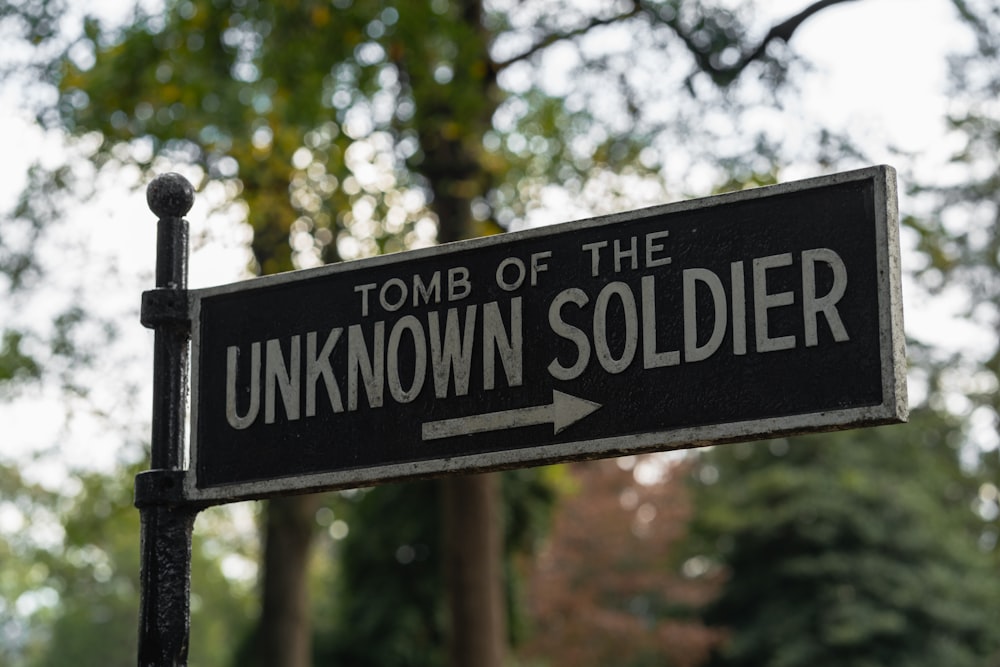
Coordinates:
786	28
721	74
552	38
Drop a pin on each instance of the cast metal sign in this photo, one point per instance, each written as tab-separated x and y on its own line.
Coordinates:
747	315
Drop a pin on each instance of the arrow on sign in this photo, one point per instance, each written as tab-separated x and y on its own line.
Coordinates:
563	411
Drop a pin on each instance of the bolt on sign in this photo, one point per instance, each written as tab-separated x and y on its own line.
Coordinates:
747	315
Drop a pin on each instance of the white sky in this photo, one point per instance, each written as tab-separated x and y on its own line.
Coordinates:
880	74
889	80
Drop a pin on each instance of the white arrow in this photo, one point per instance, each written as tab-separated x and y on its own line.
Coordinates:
561	412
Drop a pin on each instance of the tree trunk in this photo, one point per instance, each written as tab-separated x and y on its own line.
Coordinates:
474	570
473	533
284	635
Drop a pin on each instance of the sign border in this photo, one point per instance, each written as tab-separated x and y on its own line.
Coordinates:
892	347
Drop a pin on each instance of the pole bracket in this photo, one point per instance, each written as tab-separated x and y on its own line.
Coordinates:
165	306
160	488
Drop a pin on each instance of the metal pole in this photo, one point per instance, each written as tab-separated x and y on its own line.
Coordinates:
167	520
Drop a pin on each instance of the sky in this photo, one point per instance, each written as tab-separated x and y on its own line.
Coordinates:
887	88
889	84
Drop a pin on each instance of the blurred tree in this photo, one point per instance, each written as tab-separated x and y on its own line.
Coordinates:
851	549
69	586
15	365
402	563
959	234
27	353
406	622
604	589
350	128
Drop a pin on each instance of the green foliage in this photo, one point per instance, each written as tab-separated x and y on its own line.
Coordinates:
850	549
959	237
216	84
91	573
529	500
390	604
69	589
15	365
389	597
294	104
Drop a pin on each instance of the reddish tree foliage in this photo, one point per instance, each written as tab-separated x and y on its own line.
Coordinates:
605	589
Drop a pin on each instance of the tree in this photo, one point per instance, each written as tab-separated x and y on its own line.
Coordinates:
406	622
861	548
604	588
69	583
850	549
957	231
403	563
346	128
956	227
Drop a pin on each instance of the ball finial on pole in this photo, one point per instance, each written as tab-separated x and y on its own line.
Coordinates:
170	195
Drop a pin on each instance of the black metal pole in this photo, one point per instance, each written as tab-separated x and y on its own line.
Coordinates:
167	520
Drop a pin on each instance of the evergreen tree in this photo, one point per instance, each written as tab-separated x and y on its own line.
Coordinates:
851	549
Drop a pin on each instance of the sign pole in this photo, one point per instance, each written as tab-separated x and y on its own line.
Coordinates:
167	520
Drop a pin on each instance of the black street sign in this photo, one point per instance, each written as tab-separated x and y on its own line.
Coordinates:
748	315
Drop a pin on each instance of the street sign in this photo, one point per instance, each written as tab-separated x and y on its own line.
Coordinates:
748	315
